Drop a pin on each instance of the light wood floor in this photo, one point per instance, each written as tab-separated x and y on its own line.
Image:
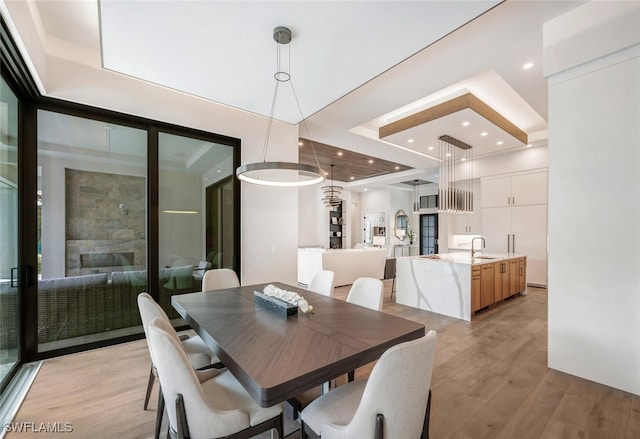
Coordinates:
490	381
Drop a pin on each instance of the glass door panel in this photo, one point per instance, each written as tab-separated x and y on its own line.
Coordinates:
92	229
196	213
9	304
429	234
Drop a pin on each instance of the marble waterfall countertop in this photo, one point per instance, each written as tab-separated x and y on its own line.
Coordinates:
441	283
465	257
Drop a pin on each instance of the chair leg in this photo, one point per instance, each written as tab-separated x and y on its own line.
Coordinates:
393	287
427	415
159	414
351	375
152	379
280	426
303	434
379	424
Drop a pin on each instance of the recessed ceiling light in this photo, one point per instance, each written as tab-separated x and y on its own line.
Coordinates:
352	178
365	189
370	160
430	148
410	140
465	123
300	143
448	154
528	145
326	173
340	153
219	170
500	143
397	167
207	178
463	159
527	66
484	134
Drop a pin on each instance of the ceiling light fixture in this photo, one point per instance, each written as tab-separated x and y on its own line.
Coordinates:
332	194
410	140
416	197
465	123
484	134
281	173
455	188
500	142
527	66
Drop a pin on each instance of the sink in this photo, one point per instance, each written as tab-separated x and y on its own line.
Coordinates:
485	257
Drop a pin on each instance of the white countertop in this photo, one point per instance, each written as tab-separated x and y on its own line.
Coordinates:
465	257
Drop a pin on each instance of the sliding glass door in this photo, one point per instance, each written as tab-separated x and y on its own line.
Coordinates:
196	212
92	229
9	273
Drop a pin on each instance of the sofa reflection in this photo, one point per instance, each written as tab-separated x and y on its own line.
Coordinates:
82	305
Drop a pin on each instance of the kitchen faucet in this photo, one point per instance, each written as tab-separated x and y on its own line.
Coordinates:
473	253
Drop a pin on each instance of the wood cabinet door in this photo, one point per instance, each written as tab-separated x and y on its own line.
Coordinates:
522	278
514	276
475	289
501	281
487	283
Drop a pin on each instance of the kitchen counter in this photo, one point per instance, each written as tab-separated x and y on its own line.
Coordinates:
465	257
443	283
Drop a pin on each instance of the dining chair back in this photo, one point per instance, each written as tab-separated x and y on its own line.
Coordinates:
322	283
394	400
367	292
219	407
220	278
197	352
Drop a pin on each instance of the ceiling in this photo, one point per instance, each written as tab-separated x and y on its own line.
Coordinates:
356	66
348	166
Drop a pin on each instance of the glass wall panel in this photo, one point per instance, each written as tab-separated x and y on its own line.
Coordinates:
196	212
92	229
9	304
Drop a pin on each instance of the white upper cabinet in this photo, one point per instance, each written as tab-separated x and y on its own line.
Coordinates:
515	190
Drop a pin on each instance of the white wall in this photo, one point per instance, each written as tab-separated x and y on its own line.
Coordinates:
594	206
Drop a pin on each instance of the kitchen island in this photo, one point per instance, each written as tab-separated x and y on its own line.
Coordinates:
457	285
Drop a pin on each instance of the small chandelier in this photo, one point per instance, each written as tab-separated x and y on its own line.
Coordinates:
455	175
281	173
332	194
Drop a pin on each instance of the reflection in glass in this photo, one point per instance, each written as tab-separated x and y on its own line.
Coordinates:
196	213
92	243
9	304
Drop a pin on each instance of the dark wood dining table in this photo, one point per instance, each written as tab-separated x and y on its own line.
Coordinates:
276	358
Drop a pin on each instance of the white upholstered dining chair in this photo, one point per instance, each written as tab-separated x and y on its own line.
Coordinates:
197	352
322	283
219	407
219	278
367	292
394	402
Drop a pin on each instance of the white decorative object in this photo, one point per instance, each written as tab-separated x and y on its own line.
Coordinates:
288	296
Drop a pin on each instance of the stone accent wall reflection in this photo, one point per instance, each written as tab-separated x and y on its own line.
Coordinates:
95	222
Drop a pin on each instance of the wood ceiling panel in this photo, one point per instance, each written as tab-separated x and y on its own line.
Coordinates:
347	164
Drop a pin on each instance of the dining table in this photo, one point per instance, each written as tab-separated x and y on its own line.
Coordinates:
276	357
